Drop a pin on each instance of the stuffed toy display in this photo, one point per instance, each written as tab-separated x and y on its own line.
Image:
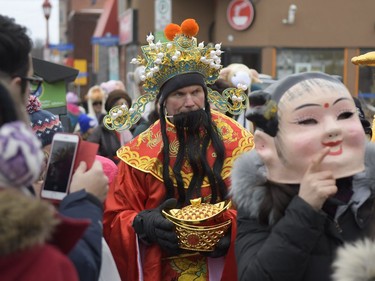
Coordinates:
237	73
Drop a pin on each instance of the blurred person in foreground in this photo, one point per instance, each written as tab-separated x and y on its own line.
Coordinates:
80	202
88	188
186	154
26	223
308	186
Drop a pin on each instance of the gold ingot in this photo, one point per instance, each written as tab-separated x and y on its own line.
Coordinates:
197	212
199	226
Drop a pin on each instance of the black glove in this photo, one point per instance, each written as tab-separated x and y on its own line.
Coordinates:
152	227
221	247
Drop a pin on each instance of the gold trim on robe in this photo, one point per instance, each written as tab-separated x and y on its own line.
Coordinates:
145	152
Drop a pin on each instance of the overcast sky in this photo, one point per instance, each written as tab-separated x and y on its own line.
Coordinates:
29	13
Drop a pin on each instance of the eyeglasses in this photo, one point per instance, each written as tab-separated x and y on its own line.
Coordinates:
97	103
34	83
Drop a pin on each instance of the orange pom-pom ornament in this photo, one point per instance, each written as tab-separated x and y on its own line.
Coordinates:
171	30
189	27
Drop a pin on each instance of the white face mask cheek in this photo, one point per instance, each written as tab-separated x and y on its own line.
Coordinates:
353	146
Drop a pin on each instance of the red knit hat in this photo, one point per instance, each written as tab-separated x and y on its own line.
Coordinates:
44	123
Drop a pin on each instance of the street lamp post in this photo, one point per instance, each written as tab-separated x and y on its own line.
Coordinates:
47	12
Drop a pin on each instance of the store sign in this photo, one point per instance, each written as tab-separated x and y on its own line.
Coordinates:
113	63
81	65
240	14
163	14
127	28
107	41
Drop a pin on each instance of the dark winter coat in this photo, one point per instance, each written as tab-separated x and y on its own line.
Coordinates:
301	245
80	234
108	142
87	253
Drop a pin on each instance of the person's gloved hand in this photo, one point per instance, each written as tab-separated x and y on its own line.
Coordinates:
152	227
221	247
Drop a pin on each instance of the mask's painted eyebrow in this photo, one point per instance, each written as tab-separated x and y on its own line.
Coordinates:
315	104
340	99
306	105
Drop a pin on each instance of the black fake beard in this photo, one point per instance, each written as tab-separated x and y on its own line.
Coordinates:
194	132
191	128
192	120
191	131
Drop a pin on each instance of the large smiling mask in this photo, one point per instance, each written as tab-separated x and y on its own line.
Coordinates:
297	118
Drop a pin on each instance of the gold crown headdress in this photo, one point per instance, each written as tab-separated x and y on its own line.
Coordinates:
164	61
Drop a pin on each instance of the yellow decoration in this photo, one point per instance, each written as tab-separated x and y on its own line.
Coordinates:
367	59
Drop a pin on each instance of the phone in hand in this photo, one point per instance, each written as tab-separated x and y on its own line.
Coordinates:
60	166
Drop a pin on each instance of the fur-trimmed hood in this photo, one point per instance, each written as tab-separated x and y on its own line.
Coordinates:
24	221
354	262
248	177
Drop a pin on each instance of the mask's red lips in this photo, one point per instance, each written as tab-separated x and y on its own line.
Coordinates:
336	147
332	143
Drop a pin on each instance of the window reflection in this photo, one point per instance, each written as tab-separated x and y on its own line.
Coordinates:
291	61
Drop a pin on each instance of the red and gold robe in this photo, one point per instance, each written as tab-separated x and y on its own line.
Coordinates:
139	186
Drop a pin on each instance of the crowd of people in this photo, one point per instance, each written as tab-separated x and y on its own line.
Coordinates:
297	182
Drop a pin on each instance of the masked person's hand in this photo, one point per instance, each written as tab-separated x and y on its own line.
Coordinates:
152	227
317	185
221	248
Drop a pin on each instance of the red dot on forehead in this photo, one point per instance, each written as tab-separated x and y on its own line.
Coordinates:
326	105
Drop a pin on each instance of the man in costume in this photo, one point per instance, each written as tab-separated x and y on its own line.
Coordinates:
307	187
186	154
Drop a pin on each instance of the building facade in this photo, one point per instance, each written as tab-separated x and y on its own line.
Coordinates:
283	37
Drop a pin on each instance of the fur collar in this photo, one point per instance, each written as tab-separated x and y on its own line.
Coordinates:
354	261
24	221
249	176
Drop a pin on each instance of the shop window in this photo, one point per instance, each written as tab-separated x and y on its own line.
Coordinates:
291	61
366	83
251	57
366	87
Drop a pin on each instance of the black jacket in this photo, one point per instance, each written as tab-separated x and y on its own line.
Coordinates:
301	245
87	253
108	142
